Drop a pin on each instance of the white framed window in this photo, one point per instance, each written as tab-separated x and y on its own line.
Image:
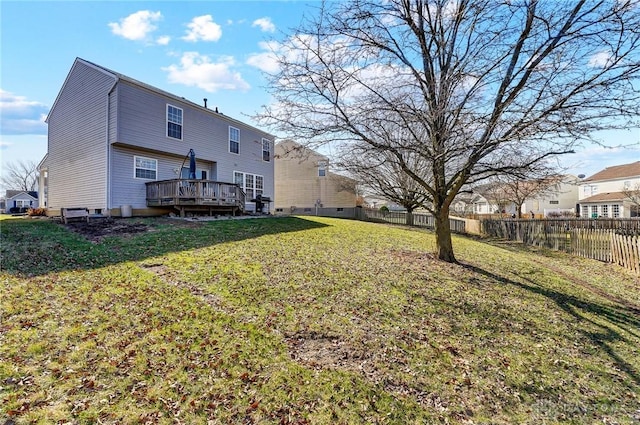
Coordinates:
626	185
22	203
615	209
145	168
605	210
322	168
266	150
554	202
252	184
234	140
174	122
585	211
594	211
594	190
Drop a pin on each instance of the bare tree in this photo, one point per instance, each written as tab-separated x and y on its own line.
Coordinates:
381	175
632	193
21	175
477	87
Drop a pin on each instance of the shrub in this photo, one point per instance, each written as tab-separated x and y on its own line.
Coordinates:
32	212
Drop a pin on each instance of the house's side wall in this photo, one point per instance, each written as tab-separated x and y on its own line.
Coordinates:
565	197
142	122
617	185
298	183
126	189
77	148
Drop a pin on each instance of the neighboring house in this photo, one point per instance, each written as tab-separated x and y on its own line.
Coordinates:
606	193
20	200
561	196
116	144
304	182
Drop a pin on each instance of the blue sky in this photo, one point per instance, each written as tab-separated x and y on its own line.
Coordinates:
198	49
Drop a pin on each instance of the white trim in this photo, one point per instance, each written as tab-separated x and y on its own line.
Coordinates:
270	149
135	158
238	141
181	124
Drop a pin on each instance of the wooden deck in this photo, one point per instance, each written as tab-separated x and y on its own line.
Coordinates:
196	195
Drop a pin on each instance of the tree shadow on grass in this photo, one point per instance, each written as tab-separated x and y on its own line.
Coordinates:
616	315
38	247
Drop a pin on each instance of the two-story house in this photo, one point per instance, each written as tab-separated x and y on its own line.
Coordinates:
116	144
609	193
304	183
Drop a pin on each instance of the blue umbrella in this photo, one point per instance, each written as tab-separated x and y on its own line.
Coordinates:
192	164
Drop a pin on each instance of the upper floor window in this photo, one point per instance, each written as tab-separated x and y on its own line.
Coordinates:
594	190
234	140
322	168
266	150
145	168
174	122
626	185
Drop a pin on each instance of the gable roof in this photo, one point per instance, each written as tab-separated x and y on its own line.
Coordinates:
607	196
616	172
121	77
13	193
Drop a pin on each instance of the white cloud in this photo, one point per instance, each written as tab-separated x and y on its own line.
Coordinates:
198	70
268	60
21	116
265	24
136	26
203	28
600	60
163	40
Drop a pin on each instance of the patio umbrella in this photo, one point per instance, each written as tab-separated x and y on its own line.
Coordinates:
192	164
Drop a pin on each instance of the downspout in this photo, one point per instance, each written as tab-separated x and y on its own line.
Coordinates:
108	168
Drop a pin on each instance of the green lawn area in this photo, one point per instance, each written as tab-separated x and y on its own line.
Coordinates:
308	321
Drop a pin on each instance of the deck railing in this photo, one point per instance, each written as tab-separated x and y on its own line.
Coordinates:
191	192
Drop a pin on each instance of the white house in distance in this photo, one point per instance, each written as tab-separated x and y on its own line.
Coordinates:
559	197
116	144
603	194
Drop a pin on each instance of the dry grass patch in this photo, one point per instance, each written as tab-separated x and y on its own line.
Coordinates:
312	320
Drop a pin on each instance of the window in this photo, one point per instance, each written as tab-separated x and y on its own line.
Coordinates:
22	203
585	211
605	210
234	140
594	211
253	185
322	168
266	150
259	185
174	122
594	190
554	202
626	185
145	168
339	209
616	211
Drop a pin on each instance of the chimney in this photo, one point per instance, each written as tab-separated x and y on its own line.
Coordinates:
216	109
205	102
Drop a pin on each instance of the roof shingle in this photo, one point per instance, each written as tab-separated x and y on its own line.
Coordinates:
616	172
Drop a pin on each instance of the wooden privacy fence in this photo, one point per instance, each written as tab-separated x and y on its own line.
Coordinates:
613	241
414	219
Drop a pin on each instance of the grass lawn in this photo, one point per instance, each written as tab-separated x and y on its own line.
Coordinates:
308	321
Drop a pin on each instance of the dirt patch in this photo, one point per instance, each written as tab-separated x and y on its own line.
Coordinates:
96	229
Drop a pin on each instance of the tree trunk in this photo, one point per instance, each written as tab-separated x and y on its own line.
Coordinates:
443	236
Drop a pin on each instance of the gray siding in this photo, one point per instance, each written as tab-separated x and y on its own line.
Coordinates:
126	189
77	148
142	123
